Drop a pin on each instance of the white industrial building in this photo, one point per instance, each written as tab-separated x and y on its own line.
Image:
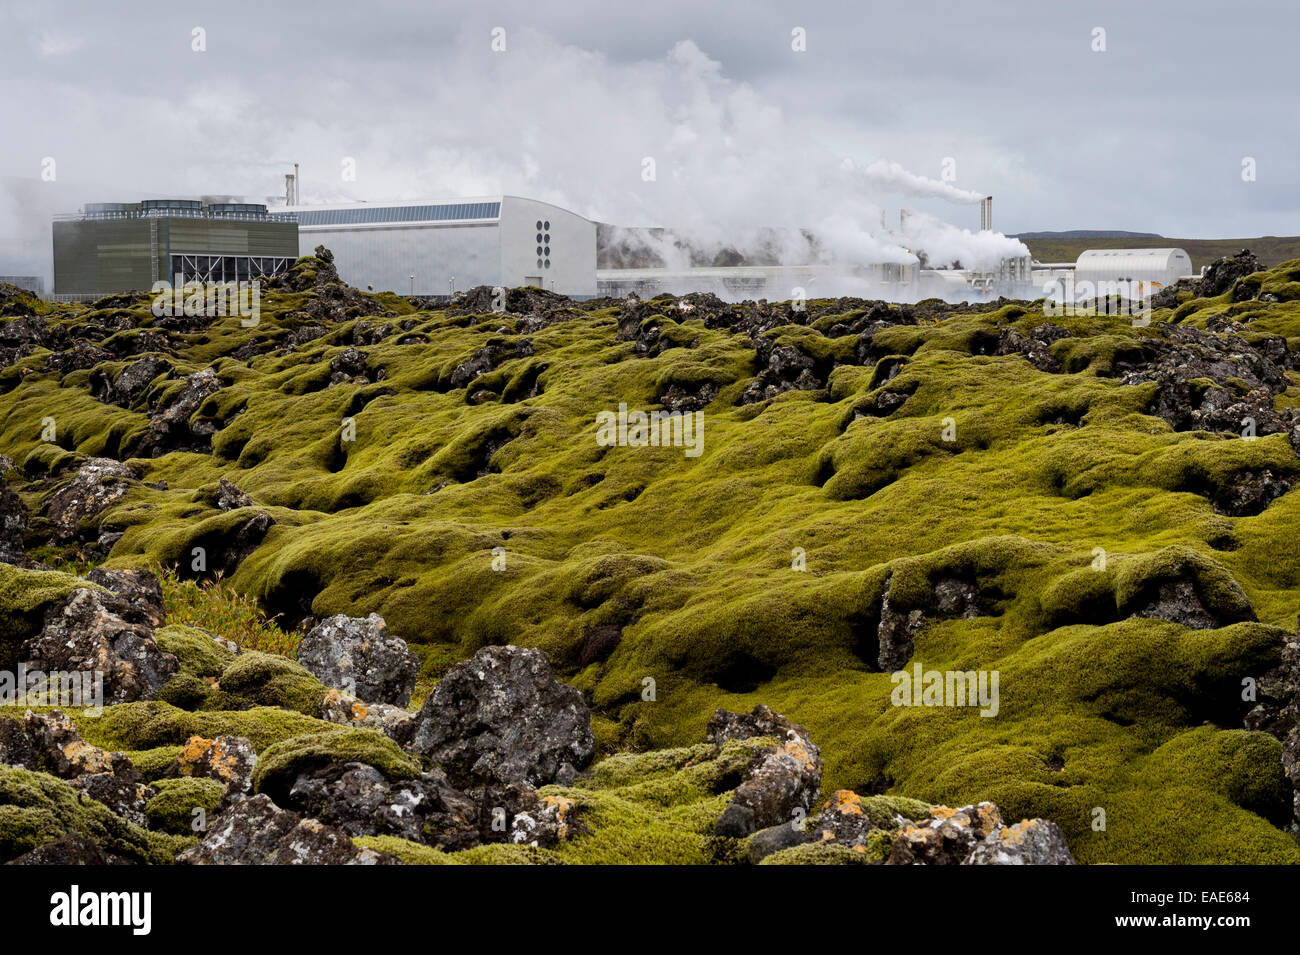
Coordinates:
434	247
1153	269
1143	272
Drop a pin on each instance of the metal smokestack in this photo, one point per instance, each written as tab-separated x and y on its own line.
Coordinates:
989	201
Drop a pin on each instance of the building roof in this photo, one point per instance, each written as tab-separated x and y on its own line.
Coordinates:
361	213
1110	259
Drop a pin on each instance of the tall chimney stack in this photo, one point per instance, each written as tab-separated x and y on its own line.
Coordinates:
989	202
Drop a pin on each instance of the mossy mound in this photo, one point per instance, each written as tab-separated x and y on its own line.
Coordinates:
172	810
280	765
665	586
36	808
268	680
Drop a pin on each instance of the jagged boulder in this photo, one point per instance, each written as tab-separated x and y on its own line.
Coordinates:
359	656
230	497
1277	712
359	800
782	783
85	634
139	595
255	831
229	760
97	484
1031	842
346	710
110	778
131	382
13	524
488	358
174	427
501	716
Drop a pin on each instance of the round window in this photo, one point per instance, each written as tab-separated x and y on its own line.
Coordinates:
539	225
548	263
547	226
539	263
539	250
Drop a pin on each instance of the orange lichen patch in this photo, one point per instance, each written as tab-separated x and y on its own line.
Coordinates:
196	747
943	812
90	759
360	711
222	761
799	752
1016	834
987	817
845	800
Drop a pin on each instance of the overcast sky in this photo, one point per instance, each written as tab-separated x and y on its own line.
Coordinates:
1149	134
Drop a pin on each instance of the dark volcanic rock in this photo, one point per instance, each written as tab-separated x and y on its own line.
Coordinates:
947	838
1277	712
98	483
85	634
1031	842
488	358
503	717
107	777
230	497
1223	273
255	831
15	745
131	383
13	524
359	656
1036	346
140	595
69	849
1218	382
174	428
782	783
227	759
358	800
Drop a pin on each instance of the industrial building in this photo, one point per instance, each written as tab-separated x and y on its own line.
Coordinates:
124	247
435	247
1143	272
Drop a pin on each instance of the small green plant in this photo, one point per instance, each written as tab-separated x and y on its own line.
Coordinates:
218	607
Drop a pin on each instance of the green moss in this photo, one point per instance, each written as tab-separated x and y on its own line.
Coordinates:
197	652
692	557
172	810
821	854
273	681
150	726
36	808
25	595
280	764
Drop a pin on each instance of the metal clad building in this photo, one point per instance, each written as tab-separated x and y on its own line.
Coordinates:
1153	268
121	247
424	247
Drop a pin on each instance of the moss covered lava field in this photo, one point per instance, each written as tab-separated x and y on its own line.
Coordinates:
1101	514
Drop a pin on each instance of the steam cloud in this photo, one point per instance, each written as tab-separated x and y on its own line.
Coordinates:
544	119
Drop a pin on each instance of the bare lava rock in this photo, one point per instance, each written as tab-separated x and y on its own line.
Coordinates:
501	716
358	655
84	633
97	484
782	783
255	831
